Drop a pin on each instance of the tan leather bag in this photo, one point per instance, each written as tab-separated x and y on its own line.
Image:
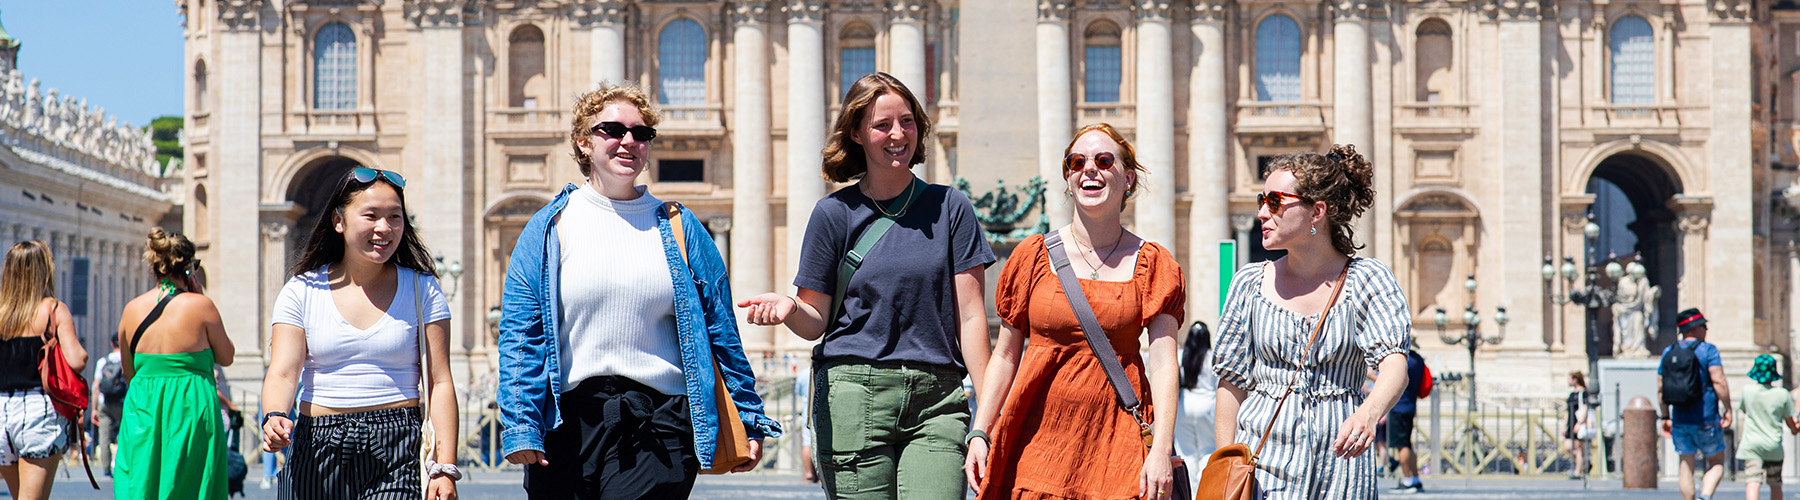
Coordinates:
1231	472
732	448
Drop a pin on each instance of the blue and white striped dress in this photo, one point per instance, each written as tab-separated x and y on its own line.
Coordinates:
1261	349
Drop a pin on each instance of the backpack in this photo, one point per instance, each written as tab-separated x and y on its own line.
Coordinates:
1425	381
1682	383
112	383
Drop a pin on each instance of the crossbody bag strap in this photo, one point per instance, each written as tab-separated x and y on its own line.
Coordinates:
854	258
1090	325
155	313
424	363
673	211
1336	289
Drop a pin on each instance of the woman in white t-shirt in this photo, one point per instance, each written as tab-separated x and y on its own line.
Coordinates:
345	331
1194	439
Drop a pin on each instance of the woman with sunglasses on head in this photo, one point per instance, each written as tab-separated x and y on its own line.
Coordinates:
32	434
171	441
1272	354
610	329
347	331
1050	400
889	412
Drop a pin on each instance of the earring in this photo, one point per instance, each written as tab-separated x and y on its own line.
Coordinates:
1068	192
1314	230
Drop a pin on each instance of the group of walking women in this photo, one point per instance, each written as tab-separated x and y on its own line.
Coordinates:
617	328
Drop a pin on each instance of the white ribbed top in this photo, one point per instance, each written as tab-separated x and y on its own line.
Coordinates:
618	302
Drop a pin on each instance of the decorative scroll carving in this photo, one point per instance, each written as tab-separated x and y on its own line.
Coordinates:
1243	222
907	11
1208	10
1731	11
274	232
750	12
1519	9
1694	224
1053	10
1150	10
240	14
588	13
442	13
805	11
1350	10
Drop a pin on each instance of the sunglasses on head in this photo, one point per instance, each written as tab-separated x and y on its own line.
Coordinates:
1075	161
366	175
616	130
1275	199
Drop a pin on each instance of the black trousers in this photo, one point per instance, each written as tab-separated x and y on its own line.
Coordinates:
368	455
619	440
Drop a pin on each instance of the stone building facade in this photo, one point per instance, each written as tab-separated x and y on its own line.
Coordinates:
1499	130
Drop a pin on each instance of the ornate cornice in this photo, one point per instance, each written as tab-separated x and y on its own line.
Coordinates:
805	11
907	11
1150	10
1053	10
240	14
1208	10
1514	10
590	13
442	13
1729	11
749	12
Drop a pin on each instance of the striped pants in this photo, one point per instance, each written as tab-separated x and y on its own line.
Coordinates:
370	456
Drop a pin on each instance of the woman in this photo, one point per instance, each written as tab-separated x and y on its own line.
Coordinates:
1194	441
888	406
346	330
1317	447
1578	420
1051	401
171	445
32	434
609	335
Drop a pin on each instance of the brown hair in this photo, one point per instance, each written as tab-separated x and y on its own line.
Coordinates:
27	277
844	158
591	103
1580	380
1127	155
169	255
1342	179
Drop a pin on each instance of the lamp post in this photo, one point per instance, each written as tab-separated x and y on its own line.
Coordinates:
454	270
1471	336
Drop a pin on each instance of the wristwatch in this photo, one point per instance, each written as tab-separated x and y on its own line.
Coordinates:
281	414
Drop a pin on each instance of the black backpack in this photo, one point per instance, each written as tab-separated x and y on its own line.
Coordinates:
1683	384
112	383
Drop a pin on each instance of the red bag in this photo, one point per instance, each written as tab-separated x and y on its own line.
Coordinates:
68	391
1425	383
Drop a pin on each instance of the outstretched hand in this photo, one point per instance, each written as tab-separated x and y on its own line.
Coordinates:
767	309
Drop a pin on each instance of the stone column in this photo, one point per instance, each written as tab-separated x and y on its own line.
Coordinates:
1155	197
806	119
750	169
1208	142
1056	105
443	167
1352	101
604	20
1521	175
906	45
1731	170
237	138
1240	227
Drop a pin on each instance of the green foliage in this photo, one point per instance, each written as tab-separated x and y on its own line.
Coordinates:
165	133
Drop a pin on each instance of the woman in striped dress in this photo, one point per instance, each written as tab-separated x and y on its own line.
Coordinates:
1317	448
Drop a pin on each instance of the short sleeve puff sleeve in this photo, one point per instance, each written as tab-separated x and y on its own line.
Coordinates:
1012	294
1232	358
1386	327
1163	288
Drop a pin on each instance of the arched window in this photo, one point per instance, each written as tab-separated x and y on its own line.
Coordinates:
1434	73
200	93
1278	59
525	67
856	56
334	67
1633	61
1102	70
681	64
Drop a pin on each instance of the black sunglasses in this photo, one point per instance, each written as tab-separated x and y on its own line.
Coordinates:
616	130
366	175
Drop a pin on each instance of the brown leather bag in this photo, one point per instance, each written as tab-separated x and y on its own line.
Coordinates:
732	448
1231	472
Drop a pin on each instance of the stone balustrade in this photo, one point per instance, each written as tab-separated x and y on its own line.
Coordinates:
64	127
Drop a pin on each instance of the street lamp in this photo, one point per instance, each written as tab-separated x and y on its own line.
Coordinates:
1471	336
454	270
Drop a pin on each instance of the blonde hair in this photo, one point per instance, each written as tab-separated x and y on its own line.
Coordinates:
1127	156
27	277
592	103
169	255
843	157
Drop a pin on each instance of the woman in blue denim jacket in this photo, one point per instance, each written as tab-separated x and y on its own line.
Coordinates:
608	336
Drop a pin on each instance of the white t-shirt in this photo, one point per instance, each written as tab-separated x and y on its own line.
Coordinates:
617	294
347	367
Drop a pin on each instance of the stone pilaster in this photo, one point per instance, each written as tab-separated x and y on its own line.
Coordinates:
1155	196
237	138
1208	144
906	47
1056	104
443	167
1352	99
807	120
605	22
1731	169
1521	173
750	157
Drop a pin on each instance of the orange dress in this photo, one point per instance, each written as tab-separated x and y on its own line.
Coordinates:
1061	432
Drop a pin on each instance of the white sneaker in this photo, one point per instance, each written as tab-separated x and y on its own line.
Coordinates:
265	483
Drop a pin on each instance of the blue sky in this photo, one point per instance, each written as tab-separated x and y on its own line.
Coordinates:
122	55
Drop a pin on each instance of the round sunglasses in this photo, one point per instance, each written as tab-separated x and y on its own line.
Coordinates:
1075	161
1274	200
367	175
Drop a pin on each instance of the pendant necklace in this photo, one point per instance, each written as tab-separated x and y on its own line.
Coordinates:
1094	274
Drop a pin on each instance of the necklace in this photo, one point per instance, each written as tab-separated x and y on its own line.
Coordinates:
907	204
1095	273
167	287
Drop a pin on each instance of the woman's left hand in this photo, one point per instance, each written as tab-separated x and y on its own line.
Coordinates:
441	488
1158	478
755	457
1355	436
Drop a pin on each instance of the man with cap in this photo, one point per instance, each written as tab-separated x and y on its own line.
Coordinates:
1766	408
1697	427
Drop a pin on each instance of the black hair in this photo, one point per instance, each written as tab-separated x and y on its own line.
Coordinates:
326	246
1194	353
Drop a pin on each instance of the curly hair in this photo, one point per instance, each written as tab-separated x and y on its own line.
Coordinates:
843	157
169	255
592	103
1127	156
1341	178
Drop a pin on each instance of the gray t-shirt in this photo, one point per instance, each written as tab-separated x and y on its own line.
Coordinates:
901	305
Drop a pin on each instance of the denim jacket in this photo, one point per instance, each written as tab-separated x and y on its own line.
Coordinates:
530	386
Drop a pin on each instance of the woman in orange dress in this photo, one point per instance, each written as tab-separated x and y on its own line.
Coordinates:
1057	428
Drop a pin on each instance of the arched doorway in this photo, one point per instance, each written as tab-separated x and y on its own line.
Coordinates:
311	190
1632	194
